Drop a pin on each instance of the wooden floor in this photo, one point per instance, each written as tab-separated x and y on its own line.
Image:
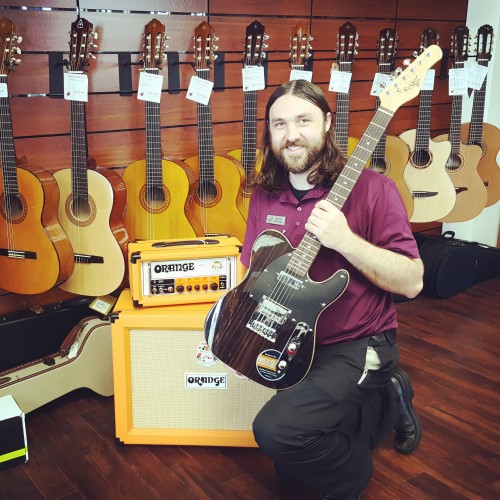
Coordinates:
451	350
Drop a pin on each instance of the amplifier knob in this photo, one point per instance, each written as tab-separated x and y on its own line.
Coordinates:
196	287
213	286
179	288
205	287
189	288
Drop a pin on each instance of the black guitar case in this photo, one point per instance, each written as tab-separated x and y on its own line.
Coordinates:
453	265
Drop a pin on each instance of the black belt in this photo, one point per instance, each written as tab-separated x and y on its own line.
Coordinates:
382	339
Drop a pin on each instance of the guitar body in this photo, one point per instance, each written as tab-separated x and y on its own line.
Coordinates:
99	234
34	229
252	354
471	193
167	216
488	168
432	178
219	205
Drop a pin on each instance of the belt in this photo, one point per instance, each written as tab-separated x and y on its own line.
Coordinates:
383	339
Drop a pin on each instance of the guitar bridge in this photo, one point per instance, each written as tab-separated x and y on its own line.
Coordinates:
267	318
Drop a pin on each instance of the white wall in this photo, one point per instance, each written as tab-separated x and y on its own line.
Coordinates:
485	227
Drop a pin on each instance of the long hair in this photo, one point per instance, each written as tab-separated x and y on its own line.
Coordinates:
273	178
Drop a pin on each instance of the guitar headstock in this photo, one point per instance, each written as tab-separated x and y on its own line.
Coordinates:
387	45
484	43
347	43
254	44
81	43
459	44
154	45
407	85
300	46
204	47
429	37
8	47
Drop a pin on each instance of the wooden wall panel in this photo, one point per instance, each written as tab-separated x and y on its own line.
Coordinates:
261	8
358	9
455	10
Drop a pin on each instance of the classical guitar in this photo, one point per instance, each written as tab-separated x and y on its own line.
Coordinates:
35	254
463	160
480	133
300	47
265	327
425	173
253	55
347	43
91	202
390	155
159	192
218	200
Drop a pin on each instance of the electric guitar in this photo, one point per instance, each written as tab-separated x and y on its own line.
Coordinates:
425	173
300	47
159	192
463	160
218	200
35	254
390	155
482	134
265	327
91	203
253	55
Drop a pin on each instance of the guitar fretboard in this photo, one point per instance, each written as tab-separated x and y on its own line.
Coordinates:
205	140
79	150
379	151
424	121
153	144
249	143
7	151
477	116
456	118
342	114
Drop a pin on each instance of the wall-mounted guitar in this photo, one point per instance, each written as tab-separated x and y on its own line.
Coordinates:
253	55
425	173
218	200
390	155
462	162
91	202
300	47
265	327
482	134
159	192
35	254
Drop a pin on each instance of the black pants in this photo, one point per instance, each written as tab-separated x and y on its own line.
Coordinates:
322	431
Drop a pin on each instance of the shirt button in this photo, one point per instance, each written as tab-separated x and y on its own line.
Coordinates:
299	209
297	223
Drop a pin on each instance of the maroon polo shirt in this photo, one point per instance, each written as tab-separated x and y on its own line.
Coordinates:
374	211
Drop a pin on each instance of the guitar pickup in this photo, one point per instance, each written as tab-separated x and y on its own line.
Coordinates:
289	280
267	318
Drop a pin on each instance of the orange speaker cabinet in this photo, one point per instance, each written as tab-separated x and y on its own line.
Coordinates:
169	388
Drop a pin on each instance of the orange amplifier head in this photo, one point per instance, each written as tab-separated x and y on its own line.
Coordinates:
187	271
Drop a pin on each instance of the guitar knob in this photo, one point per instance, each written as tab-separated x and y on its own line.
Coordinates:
282	364
291	348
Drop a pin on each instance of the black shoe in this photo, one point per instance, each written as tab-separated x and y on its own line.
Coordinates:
408	427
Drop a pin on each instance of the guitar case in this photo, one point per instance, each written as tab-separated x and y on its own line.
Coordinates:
84	359
452	265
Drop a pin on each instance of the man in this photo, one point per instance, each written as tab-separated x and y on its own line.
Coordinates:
322	430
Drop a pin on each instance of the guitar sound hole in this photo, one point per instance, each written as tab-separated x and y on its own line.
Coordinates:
13	207
207	192
454	163
421	158
81	208
155	197
379	165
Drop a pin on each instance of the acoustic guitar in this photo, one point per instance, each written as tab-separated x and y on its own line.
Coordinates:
91	202
300	47
248	155
159	192
463	160
264	328
218	200
425	173
480	133
35	253
390	155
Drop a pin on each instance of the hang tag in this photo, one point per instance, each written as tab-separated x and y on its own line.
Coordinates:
458	81
253	78
4	91
150	86
199	90
429	80
477	74
380	82
301	74
340	81
76	87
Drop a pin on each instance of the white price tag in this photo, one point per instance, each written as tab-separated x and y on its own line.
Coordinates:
301	74
76	87
429	80
4	92
149	87
477	74
458	81
253	78
340	81
199	90
380	82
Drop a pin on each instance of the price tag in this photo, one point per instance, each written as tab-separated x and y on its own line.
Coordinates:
76	87
301	74
149	87
103	304
477	74
253	78
429	80
458	81
4	92
340	81
380	82
199	90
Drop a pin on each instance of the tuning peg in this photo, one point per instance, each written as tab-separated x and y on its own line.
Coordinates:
215	57
265	46
266	36
407	62
17	50
216	48
18	38
92	55
415	54
95	35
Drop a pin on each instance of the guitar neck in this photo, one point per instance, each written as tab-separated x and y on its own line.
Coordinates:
249	143
477	117
456	119
379	151
342	114
205	140
79	150
7	151
153	145
424	121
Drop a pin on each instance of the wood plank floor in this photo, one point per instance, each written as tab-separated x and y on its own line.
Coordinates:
449	347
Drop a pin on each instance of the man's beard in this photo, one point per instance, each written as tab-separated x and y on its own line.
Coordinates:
299	164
